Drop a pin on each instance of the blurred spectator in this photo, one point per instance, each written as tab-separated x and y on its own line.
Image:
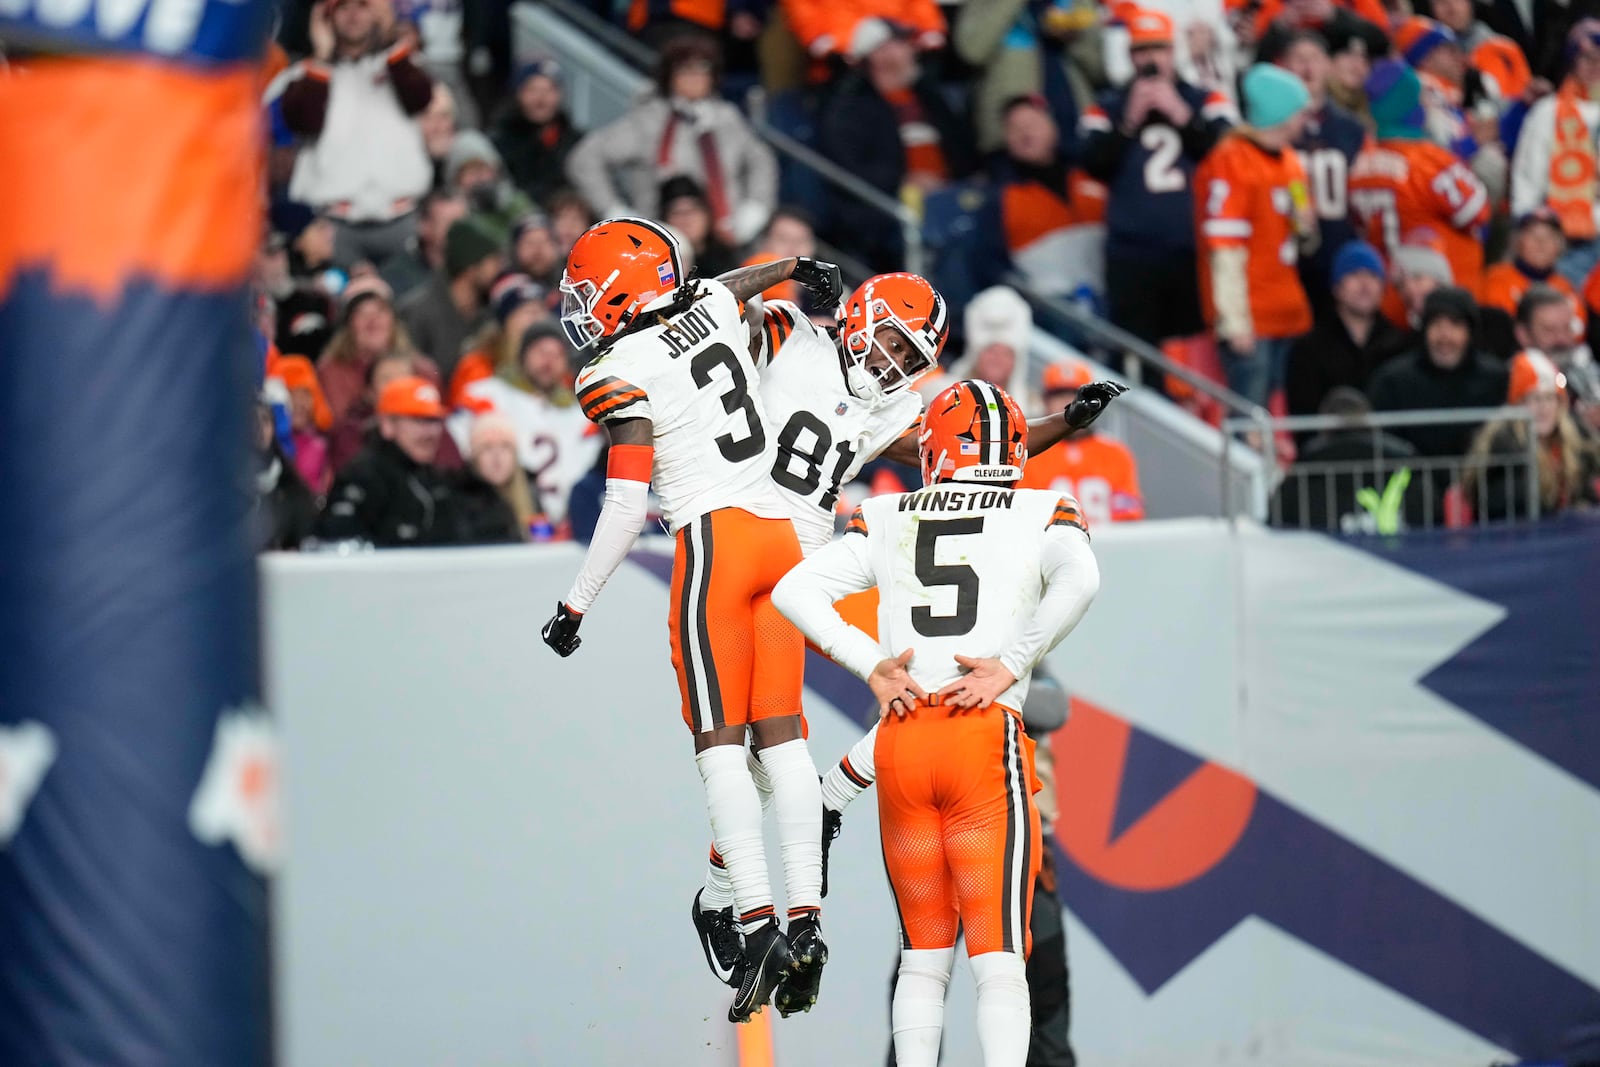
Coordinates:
1052	49
685	208
888	123
1051	217
1555	157
354	104
1463	111
1278	20
287	510
1329	499
682	128
533	133
518	302
1099	472
476	172
1256	215
1543	325
1538	27
435	29
1328	147
1345	348
310	419
368	332
1417	268
998	328
439	125
1447	372
359	423
556	445
1495	58
569	217
443	314
1406	181
533	250
493	453
1536	247
391	494
828	27
1144	142
291	269
1495	481
789	233
658	21
424	254
1352	49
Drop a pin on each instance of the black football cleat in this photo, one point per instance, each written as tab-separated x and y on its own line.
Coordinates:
832	823
720	939
767	962
798	990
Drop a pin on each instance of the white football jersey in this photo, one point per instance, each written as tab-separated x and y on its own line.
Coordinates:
960	568
823	434
556	445
693	377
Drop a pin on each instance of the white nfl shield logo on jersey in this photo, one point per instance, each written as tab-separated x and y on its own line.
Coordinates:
842	408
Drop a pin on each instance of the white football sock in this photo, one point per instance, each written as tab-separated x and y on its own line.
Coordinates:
918	1013
847	778
1005	1016
797	800
735	812
718	893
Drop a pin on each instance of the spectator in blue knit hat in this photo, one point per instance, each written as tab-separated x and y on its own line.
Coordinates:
1345	347
533	132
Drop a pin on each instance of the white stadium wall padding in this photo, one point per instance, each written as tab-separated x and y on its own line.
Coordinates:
1310	816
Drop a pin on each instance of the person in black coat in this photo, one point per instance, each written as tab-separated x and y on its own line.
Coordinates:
287	510
1448	371
479	514
1346	346
533	134
1321	491
888	124
391	495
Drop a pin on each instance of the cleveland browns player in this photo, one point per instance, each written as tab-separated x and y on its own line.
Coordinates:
977	581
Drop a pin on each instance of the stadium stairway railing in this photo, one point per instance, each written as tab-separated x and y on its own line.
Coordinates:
1186	467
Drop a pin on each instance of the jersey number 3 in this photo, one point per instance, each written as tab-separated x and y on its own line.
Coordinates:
932	575
737	398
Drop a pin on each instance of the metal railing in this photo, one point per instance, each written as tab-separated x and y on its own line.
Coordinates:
1387	489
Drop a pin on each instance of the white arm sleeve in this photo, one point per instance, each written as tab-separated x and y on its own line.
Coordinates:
806	597
1530	167
1072	578
621	518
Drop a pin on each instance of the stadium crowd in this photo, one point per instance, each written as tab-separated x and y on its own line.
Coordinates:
1329	206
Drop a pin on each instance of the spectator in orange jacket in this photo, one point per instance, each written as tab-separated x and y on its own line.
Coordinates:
828	27
1254	213
1406	181
1536	248
1101	473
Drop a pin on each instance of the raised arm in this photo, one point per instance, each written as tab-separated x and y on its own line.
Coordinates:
820	278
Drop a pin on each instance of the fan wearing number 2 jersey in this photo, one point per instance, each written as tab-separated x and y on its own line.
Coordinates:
1407	182
674	386
977	580
1143	142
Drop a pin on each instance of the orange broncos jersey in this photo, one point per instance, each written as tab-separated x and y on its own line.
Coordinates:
1099	472
1504	286
1397	186
1246	199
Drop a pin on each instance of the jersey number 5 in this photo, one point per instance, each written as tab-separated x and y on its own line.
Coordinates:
933	575
737	398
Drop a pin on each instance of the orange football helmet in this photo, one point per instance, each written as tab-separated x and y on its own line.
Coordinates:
973	432
616	269
909	304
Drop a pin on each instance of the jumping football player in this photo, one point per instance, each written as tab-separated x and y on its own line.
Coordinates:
672	385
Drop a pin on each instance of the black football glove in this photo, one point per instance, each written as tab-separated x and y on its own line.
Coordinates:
561	632
821	279
1090	402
